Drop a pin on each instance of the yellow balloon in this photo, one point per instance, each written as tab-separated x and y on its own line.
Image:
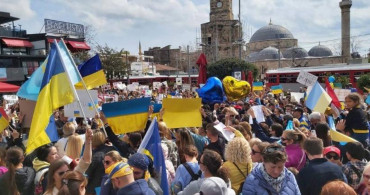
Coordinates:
332	85
235	89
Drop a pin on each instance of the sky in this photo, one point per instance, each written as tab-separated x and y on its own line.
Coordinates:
121	24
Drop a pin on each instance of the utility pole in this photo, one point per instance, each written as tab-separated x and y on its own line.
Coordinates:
177	65
279	54
128	69
240	35
187	49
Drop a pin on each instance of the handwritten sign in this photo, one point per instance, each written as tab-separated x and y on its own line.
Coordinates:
306	78
74	110
342	93
178	81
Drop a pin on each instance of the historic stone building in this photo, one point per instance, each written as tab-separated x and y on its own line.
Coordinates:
222	34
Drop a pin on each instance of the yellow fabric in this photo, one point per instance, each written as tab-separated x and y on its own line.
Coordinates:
360	130
257	88
53	95
94	80
182	112
277	91
238	134
340	137
3	123
235	89
123	171
236	178
128	123
39	164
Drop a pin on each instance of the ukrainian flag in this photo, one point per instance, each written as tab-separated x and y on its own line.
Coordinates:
156	109
337	136
318	100
151	146
257	86
127	116
55	92
92	73
4	121
277	89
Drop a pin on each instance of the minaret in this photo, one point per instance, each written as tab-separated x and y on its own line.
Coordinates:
140	53
345	6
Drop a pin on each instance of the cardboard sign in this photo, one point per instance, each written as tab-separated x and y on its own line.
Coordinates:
342	93
306	78
27	107
296	96
74	110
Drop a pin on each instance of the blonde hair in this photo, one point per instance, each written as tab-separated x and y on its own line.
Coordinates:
69	128
297	136
74	146
238	151
98	138
296	123
254	141
163	130
115	156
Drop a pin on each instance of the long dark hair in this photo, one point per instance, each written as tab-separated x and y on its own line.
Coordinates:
322	132
14	156
213	161
52	168
71	182
43	152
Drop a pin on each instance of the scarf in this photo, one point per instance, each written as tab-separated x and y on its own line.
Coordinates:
274	182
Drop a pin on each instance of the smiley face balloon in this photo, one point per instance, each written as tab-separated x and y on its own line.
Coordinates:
235	89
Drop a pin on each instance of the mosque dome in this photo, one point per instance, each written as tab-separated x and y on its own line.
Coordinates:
296	52
271	32
320	51
269	53
252	57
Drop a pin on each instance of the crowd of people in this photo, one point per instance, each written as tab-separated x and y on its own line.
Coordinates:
291	152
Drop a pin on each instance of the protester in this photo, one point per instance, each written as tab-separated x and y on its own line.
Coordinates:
18	179
183	139
238	162
73	182
322	132
337	188
353	169
215	186
110	158
271	176
74	146
319	171
293	141
257	150
69	129
211	165
3	168
332	154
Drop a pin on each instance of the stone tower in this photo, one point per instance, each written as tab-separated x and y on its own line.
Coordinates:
345	6
221	33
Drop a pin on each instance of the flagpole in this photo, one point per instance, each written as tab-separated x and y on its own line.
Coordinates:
84	86
69	78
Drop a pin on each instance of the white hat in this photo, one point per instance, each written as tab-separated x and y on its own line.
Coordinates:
215	186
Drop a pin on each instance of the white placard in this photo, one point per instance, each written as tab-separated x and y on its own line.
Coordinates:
342	93
132	87
296	96
157	85
227	134
178	81
73	110
186	87
306	78
11	99
260	117
148	93
238	75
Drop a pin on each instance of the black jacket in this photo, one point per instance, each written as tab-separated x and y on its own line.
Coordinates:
123	148
24	178
318	172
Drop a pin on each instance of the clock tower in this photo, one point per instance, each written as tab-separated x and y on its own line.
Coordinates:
222	34
221	10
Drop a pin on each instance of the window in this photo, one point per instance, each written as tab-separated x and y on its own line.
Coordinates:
29	67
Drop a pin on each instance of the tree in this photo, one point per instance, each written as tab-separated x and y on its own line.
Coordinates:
112	61
83	55
363	81
226	67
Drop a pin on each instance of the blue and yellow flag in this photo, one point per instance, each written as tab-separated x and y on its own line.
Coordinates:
55	92
4	121
127	116
337	136
318	100
277	89
156	109
151	146
92	73
257	86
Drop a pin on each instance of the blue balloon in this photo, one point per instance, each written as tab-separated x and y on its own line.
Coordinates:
331	79
212	92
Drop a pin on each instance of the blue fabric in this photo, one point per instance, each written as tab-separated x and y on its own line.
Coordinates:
256	184
106	189
91	66
212	92
138	187
127	107
183	177
199	141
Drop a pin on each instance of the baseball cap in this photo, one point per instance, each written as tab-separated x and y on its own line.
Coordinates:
215	186
332	149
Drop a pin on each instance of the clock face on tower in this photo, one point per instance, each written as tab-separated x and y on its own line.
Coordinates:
219	4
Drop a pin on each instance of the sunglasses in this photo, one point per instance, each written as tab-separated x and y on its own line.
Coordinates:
274	149
335	157
254	152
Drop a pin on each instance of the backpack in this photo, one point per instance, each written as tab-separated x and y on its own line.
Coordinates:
192	174
38	180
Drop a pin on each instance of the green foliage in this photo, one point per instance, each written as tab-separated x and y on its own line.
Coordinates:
226	67
81	56
343	80
112	61
363	81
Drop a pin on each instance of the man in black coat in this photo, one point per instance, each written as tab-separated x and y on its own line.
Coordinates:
319	171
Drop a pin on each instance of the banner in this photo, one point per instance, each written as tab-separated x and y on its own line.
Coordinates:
306	78
182	112
74	110
342	93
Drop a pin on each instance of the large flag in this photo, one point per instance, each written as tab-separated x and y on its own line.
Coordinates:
55	92
277	89
332	94
4	121
337	136
182	112
31	88
92	73
151	146
127	116
318	100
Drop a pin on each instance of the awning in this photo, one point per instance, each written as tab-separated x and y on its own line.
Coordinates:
78	45
17	43
51	40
